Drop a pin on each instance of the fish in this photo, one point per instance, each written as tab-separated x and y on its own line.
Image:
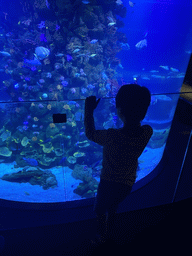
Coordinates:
188	52
34	62
157	76
59	55
131	4
85	2
111	24
45	95
5	54
76	50
92	55
41	52
141	44
181	76
31	161
154	71
145	78
164	67
94	41
124	46
119	2
174	69
16	86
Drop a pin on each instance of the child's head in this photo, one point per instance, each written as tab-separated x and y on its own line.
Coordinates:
132	102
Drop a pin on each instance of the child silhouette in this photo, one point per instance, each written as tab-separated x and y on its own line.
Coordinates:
121	150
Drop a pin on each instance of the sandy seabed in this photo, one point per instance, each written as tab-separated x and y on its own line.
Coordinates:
25	192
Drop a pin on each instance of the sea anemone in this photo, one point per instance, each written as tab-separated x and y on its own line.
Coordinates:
34	138
49	106
52	125
59	87
66	107
36	119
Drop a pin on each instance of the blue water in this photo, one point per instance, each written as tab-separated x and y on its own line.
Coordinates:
52	57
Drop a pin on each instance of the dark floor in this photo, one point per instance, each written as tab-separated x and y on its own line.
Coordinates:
154	230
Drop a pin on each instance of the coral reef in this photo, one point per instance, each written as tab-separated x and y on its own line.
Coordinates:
58	52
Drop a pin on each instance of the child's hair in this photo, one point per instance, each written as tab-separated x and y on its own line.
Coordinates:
133	101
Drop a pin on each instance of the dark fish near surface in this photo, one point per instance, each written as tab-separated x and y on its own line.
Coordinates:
31	161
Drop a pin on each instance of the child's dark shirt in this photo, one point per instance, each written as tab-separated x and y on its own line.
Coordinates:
121	149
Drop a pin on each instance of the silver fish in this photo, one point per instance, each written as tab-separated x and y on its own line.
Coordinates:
6	54
141	44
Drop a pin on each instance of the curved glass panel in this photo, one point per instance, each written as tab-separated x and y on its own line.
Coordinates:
56	53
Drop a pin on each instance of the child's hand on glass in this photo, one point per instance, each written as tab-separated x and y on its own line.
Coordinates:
91	103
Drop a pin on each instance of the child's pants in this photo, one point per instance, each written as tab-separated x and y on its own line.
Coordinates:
109	196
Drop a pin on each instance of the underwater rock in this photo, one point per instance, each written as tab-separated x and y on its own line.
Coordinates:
51	181
81	189
4	151
81	172
91	19
34	176
82	31
87	190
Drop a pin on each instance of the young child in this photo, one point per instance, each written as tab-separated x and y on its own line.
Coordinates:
121	150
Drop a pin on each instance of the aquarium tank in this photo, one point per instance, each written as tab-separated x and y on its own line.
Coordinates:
54	54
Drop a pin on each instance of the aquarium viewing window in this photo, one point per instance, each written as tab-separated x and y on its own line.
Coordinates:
54	54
